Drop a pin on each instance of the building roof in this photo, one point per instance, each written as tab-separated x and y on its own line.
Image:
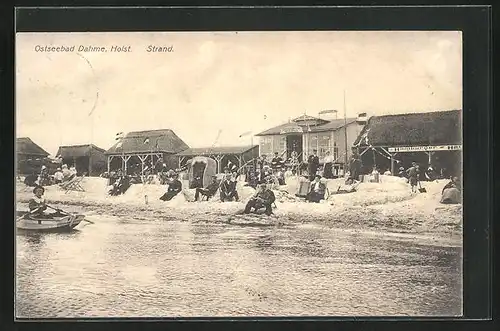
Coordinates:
307	118
26	146
78	150
416	129
164	141
206	151
326	126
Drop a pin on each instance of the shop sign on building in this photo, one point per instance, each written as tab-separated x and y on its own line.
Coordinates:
291	129
403	149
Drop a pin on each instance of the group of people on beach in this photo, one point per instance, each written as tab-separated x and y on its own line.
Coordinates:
43	178
265	176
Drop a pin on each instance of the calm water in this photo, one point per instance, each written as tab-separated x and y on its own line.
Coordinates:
152	268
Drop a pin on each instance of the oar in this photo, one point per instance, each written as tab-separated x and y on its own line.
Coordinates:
28	213
66	213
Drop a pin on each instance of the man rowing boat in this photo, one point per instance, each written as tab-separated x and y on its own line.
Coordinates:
37	204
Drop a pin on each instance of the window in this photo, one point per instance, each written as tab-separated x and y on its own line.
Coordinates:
265	145
324	139
279	144
335	151
313	142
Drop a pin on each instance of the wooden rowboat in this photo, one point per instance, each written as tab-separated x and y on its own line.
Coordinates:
56	223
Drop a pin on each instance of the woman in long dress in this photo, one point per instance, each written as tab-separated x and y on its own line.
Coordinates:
327	165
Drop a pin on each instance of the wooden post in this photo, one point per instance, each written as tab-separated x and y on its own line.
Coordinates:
109	163
374	157
430	157
125	160
142	158
90	164
392	164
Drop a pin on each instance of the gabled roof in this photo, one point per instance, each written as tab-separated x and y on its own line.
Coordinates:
165	141
206	151
415	129
78	150
326	126
26	146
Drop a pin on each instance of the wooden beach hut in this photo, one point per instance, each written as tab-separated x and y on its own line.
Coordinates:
236	155
393	141
30	156
87	158
140	149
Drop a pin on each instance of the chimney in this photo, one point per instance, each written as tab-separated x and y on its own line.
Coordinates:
362	118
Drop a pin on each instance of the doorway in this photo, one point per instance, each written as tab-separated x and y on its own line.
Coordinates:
294	143
198	171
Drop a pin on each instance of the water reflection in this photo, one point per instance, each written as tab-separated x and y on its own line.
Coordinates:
151	267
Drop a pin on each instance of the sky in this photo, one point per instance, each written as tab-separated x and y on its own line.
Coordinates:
231	81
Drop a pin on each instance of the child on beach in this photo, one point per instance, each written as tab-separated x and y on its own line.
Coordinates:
412	173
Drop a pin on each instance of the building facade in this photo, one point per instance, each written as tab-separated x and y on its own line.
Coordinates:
29	156
88	159
140	150
306	133
393	141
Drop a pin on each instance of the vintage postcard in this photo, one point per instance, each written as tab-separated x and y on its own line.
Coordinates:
200	174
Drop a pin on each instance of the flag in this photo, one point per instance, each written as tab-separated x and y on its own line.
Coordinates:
119	136
327	111
245	133
146	141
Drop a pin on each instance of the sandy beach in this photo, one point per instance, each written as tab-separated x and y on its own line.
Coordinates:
384	208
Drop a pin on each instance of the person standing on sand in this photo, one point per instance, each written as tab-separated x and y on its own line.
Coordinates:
412	173
327	167
313	164
355	167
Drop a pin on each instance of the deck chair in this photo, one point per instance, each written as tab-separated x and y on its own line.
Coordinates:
73	185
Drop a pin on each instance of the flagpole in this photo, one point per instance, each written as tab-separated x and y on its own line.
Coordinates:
345	134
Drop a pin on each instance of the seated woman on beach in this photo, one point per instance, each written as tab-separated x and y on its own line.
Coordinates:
317	191
58	176
452	192
174	187
67	173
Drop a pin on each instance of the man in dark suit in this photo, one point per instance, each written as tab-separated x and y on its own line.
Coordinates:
263	198
209	191
174	187
228	190
276	162
313	164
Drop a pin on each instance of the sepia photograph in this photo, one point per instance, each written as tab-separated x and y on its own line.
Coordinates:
238	174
